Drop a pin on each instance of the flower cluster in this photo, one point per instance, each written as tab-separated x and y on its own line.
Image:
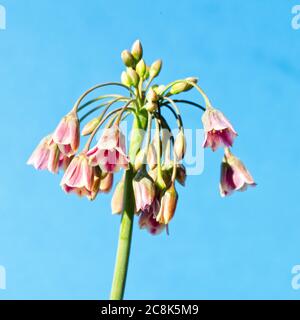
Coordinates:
154	163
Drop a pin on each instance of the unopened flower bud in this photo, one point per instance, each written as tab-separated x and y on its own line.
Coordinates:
96	183
155	68
127	58
152	156
180	145
125	79
181	174
151	106
167	205
141	68
147	73
152	96
133	76
106	183
137	50
139	160
117	198
159	89
90	127
183	86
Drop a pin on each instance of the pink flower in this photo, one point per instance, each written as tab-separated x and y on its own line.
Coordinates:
46	156
144	193
218	130
67	134
234	175
148	221
79	177
109	152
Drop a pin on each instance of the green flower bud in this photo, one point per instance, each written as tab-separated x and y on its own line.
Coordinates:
152	96
155	68
147	73
137	50
141	68
133	76
125	79
182	86
127	58
159	89
90	127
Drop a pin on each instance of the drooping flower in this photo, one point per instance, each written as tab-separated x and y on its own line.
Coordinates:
148	221
144	193
67	134
234	175
168	205
79	177
109	152
218	130
46	156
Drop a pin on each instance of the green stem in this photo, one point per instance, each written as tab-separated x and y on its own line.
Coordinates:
123	252
125	235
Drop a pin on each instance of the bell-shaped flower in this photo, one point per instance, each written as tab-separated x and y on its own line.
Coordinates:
46	156
110	152
218	130
79	177
148	221
234	175
67	134
168	205
144	192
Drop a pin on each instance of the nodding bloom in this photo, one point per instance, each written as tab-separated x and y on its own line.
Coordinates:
110	152
145	193
234	175
218	130
168	205
46	156
67	134
79	177
148	221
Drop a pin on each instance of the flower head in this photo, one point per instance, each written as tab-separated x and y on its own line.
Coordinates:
234	175
218	130
67	134
109	153
79	177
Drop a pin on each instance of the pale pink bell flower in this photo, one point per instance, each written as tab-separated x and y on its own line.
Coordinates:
234	175
218	130
67	134
110	152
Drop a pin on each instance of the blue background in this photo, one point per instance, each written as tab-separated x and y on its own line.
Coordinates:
246	55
